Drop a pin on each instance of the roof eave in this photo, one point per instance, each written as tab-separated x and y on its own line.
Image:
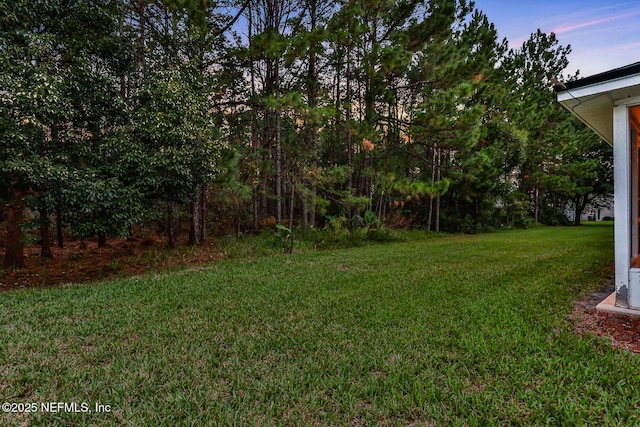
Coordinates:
592	99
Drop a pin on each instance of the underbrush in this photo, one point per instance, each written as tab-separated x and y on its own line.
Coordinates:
327	238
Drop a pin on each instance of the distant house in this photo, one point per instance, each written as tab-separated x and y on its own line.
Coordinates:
598	213
609	103
602	210
591	213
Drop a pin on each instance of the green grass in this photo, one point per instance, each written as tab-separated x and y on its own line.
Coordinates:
460	330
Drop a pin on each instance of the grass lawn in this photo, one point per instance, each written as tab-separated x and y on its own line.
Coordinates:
459	330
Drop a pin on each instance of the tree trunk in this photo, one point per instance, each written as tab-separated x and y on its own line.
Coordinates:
264	181
102	239
194	229
338	116
59	235
278	167
254	126
536	213
580	206
291	208
197	230
308	206
45	240
439	173
348	120
433	180
14	255
171	225
203	214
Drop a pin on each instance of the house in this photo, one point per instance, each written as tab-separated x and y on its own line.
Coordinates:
600	210
609	103
598	213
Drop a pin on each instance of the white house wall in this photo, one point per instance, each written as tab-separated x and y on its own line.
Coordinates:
604	106
622	180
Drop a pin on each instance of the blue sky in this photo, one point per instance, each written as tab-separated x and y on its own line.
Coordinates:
603	35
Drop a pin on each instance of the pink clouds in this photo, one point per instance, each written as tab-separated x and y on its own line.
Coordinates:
575	26
627	47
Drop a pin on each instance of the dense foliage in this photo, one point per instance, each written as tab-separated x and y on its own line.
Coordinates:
363	113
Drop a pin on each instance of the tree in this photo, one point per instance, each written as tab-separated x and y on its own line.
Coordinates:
451	83
530	104
174	120
176	139
118	112
54	58
581	171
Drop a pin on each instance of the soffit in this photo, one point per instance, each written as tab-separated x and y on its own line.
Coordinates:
594	104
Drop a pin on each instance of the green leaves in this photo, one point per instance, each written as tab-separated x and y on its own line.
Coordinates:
407	188
74	135
321	104
175	135
564	162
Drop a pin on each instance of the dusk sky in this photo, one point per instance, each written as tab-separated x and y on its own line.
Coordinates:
602	35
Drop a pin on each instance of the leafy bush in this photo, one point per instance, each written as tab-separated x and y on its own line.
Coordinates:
550	215
283	238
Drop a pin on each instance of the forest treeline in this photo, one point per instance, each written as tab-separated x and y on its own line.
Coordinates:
233	115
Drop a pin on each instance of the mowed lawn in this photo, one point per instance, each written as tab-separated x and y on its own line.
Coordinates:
457	330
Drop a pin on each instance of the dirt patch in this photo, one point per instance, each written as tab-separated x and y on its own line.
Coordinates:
622	332
84	263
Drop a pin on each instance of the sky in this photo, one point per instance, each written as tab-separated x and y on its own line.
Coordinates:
603	35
